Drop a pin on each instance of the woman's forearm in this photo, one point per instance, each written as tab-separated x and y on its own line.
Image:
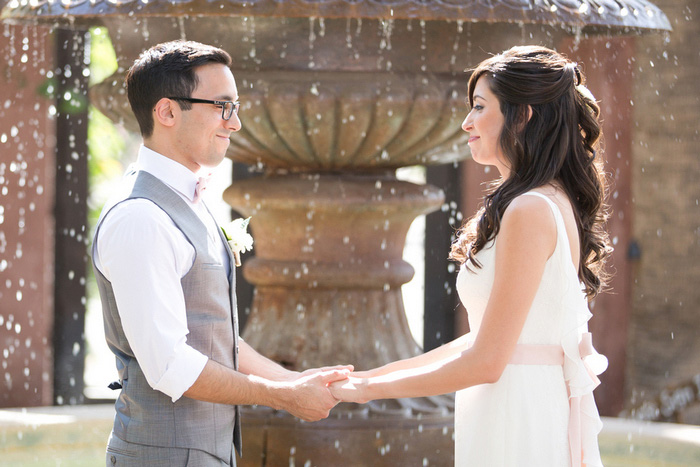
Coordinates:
455	372
438	354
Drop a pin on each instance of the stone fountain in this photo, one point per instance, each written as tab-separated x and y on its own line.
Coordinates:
336	95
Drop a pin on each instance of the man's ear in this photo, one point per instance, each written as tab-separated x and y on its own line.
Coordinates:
166	112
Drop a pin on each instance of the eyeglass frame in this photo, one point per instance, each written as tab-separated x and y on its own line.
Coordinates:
235	105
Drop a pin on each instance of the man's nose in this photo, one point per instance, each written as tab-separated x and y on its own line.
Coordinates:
234	123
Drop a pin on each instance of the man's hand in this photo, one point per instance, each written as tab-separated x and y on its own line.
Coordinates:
308	396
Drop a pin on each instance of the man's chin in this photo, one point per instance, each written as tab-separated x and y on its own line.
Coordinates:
214	162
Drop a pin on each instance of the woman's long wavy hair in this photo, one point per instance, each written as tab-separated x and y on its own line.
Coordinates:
558	144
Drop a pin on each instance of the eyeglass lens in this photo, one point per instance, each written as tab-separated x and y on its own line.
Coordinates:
228	109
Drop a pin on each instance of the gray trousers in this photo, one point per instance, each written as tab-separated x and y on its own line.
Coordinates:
123	454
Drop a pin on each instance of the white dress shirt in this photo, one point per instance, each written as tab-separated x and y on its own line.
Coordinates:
144	256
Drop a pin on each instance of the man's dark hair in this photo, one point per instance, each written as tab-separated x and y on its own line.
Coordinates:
167	70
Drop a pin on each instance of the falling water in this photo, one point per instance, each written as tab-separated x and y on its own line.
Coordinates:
312	40
250	38
181	26
455	45
423	46
387	27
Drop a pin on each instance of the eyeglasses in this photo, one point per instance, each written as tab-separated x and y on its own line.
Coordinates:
228	108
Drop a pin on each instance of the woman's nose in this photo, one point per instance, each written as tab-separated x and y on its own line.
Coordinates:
467	124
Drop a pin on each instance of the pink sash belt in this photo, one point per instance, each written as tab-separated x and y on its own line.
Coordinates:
527	354
533	354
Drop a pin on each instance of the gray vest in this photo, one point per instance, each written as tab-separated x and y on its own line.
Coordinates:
147	416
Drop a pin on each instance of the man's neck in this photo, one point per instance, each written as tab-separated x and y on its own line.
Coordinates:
166	150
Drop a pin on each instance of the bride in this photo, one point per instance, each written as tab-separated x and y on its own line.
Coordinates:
530	259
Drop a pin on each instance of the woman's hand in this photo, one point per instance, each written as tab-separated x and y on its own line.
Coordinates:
353	389
295	375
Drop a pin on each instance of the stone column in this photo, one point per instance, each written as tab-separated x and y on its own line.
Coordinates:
27	177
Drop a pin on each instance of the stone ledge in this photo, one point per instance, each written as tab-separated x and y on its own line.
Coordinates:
77	436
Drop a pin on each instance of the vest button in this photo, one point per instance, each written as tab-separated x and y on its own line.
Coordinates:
113	460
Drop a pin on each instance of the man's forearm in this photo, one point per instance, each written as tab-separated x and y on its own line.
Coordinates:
223	385
306	396
253	363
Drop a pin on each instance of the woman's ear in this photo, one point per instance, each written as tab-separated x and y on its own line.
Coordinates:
165	112
525	114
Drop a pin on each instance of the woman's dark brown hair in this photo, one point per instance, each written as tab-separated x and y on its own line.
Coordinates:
558	144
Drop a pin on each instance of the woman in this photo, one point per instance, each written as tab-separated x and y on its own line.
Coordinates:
531	257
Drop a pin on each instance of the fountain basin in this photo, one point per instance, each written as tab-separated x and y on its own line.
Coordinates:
625	14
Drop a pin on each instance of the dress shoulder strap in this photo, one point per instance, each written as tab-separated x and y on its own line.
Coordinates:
562	236
551	203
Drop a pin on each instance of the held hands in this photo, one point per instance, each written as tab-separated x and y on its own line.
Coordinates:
352	389
309	397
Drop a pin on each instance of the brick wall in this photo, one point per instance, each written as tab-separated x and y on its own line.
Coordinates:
664	334
27	176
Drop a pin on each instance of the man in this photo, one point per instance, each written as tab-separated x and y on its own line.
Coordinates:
166	279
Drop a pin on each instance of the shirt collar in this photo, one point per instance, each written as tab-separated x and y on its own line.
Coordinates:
170	172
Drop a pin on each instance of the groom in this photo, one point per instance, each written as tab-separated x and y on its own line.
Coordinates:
166	279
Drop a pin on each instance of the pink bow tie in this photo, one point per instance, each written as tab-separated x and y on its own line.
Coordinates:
199	188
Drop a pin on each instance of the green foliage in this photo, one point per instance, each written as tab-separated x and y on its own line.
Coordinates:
105	142
106	146
103	59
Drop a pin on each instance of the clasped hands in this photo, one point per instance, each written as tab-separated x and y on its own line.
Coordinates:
316	391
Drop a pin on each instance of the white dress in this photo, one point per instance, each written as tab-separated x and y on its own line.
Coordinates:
523	419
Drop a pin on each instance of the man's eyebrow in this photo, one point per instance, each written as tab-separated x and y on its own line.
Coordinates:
225	97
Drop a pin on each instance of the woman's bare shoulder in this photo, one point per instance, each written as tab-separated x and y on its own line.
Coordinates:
529	222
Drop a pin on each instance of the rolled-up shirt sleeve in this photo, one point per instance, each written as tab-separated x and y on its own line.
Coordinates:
144	256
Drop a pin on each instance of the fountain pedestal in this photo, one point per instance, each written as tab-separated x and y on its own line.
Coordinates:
328	272
328	268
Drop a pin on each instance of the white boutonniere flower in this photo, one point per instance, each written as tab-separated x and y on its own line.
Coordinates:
239	240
